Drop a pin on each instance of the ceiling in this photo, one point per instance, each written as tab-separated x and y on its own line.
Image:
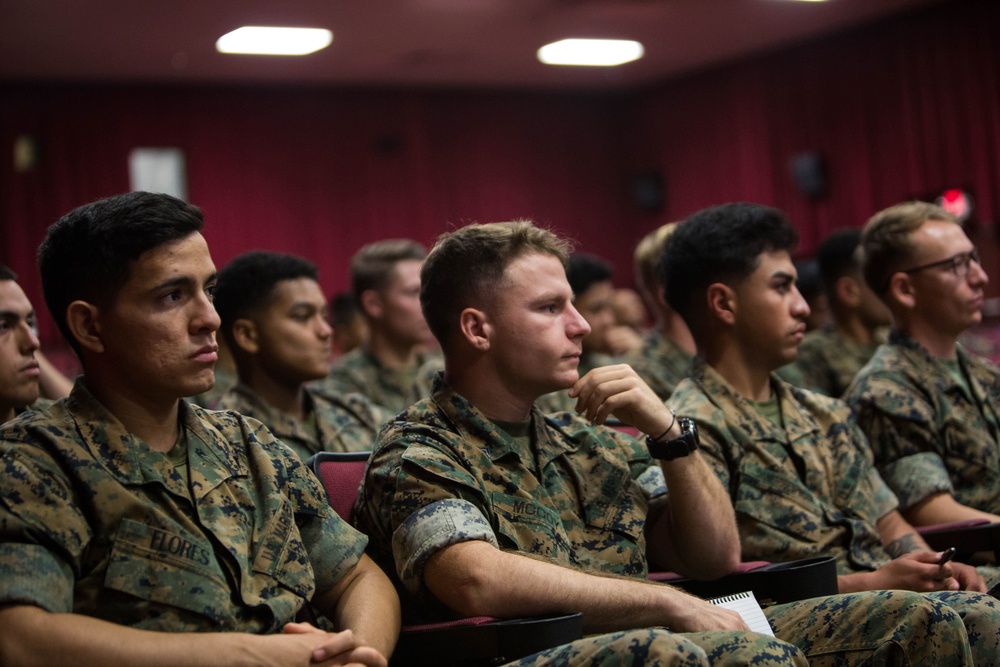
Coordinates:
440	43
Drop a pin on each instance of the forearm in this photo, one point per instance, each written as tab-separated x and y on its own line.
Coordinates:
365	603
898	536
943	508
32	636
475	578
696	533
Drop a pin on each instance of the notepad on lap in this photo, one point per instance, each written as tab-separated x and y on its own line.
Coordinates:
746	605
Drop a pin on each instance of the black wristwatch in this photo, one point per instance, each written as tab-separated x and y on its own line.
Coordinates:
668	450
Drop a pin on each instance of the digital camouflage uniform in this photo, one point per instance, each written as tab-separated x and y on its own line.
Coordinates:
927	433
811	492
660	362
360	372
347	424
827	362
94	522
443	473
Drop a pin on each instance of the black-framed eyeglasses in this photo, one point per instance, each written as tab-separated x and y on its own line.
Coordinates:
957	264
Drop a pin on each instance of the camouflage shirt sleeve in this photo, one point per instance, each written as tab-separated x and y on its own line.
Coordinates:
432	528
899	430
38	556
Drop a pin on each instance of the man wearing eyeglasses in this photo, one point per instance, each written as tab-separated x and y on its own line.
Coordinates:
931	409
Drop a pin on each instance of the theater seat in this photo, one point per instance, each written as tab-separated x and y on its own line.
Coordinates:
468	642
968	538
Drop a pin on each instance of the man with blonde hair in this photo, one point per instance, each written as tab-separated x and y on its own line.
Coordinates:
391	367
667	349
930	408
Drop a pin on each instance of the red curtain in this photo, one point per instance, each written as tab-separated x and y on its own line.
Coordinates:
321	172
899	109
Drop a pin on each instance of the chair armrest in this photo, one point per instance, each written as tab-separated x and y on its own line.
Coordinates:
483	640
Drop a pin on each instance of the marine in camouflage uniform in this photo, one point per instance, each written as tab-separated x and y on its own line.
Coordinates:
578	496
827	362
811	489
347	424
360	372
928	431
94	522
660	362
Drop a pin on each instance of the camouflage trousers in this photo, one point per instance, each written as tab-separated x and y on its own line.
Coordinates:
873	629
981	615
655	646
887	628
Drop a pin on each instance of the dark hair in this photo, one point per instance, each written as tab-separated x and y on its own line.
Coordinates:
6	273
809	282
719	244
467	266
838	256
585	270
372	266
88	253
246	284
343	309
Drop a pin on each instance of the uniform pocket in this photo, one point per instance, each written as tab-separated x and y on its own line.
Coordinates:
170	567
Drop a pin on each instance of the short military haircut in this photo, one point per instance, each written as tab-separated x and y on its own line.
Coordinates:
838	256
586	270
373	266
6	273
719	244
246	284
467	266
885	240
646	259
88	254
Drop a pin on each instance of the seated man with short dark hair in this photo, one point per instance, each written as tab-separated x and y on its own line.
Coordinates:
480	504
19	369
273	316
136	528
793	463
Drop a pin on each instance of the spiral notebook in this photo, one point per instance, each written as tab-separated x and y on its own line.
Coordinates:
746	605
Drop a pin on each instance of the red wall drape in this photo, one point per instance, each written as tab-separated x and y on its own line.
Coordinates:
898	109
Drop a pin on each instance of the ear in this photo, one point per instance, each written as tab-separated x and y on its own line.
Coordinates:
476	329
371	304
901	290
848	291
84	322
245	335
721	301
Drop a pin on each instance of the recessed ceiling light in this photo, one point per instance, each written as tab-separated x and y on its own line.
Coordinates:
274	41
590	52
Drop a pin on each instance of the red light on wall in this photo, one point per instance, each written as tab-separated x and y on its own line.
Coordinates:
957	202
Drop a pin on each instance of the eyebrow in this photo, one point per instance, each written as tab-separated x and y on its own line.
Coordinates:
184	281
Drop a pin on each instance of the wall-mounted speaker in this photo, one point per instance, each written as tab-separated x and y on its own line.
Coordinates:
647	191
809	174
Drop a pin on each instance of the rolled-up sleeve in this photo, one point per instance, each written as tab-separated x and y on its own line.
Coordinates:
432	528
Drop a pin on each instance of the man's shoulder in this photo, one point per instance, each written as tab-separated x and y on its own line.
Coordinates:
53	424
897	370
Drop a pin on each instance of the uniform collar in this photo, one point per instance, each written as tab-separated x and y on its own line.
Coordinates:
476	427
212	458
798	423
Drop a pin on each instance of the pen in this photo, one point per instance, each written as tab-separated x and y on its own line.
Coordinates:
946	555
